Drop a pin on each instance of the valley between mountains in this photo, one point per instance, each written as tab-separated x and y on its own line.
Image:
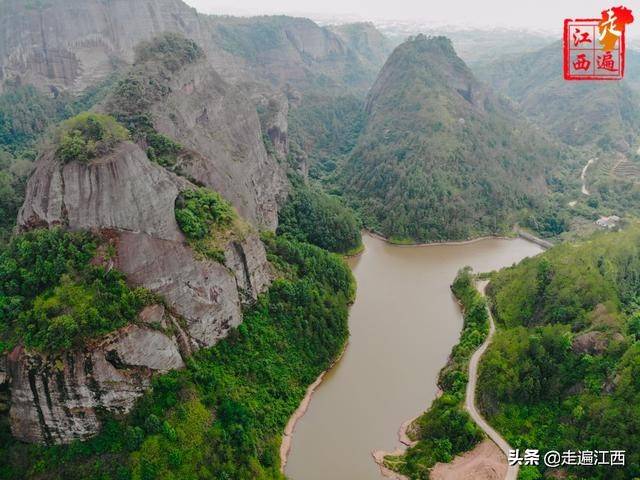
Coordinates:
200	213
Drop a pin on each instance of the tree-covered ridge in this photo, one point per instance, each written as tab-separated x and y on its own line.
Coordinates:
223	416
562	370
440	156
446	429
312	216
171	49
52	297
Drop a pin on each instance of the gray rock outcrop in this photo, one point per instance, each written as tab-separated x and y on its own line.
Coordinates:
214	120
129	201
56	399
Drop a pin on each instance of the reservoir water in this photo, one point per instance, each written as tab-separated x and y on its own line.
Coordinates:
403	325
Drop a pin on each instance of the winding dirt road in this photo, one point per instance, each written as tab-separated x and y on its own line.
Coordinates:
470	400
583	176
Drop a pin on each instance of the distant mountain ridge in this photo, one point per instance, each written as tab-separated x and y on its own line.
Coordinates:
606	114
74	43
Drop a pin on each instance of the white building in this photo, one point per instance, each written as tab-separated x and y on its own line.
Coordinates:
608	222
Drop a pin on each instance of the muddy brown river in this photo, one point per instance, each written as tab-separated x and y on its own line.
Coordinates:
403	324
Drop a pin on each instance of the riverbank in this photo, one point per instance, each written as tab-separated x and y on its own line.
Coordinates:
463	360
517	231
405	441
289	429
485	462
532	238
470	241
488	459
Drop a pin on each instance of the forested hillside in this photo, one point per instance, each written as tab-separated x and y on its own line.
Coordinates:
440	156
221	417
598	120
561	373
601	114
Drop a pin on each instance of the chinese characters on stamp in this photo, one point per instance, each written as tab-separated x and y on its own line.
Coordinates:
594	48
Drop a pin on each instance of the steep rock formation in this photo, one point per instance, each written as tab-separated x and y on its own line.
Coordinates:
213	119
126	194
273	109
130	201
122	191
71	44
55	399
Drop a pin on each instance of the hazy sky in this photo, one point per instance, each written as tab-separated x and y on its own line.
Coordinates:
529	14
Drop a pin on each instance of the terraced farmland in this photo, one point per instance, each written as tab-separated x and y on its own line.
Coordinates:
627	170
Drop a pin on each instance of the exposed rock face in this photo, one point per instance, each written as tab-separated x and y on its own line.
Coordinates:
55	399
274	111
134	198
204	293
212	118
72	44
594	342
245	259
143	347
131	201
124	191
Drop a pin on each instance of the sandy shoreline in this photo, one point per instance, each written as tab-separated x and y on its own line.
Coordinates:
405	441
289	429
485	462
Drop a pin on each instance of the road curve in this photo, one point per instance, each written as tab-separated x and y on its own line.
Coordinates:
583	177
470	400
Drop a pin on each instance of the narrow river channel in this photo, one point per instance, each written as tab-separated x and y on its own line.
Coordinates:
403	324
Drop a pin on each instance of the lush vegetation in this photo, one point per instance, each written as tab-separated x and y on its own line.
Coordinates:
13	179
562	370
88	135
172	50
322	131
223	416
594	114
440	158
206	219
52	297
312	216
446	429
